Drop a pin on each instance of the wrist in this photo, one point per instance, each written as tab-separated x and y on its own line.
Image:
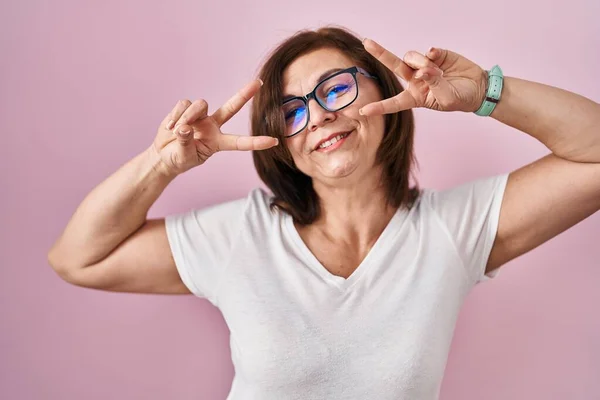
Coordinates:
155	162
493	80
484	89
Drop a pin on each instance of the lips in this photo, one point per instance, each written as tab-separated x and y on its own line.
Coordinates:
329	138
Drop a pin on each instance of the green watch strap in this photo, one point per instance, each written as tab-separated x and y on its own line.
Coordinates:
494	90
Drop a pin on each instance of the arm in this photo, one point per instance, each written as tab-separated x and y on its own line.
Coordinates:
108	243
552	194
542	199
567	123
111	212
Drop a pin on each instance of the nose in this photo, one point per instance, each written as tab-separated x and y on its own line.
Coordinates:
318	115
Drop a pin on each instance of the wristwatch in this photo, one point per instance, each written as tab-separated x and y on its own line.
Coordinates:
494	90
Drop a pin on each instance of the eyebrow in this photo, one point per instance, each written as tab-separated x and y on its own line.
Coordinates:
321	77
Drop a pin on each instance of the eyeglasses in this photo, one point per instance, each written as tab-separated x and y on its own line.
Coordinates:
333	93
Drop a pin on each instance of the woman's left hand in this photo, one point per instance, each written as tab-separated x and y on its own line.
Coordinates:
440	80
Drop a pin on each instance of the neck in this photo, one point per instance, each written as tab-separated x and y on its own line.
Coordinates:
354	213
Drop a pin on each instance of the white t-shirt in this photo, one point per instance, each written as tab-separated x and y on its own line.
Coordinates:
299	332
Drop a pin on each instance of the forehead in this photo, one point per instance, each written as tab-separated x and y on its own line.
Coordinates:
303	73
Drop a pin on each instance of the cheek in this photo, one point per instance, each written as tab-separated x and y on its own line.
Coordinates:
378	123
374	122
295	146
374	128
368	95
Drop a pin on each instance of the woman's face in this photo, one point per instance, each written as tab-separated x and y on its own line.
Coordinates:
354	154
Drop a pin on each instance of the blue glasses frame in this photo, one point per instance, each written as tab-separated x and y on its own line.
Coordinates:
312	95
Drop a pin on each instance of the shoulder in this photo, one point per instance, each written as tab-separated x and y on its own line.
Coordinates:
259	209
259	197
257	200
464	195
227	212
254	209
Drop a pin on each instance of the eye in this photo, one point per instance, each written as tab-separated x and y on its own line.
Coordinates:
337	90
294	113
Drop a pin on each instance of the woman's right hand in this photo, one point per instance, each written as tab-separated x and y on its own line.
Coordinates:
188	135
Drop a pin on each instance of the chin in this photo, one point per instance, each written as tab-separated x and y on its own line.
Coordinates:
339	168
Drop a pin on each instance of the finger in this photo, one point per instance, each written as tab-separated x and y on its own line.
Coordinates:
184	134
439	87
195	112
428	71
172	118
394	63
400	102
418	61
244	143
235	104
436	55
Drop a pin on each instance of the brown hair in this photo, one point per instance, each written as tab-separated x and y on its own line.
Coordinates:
293	190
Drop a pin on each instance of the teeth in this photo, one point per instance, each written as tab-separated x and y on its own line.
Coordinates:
333	140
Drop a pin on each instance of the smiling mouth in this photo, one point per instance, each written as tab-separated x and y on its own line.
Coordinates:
333	141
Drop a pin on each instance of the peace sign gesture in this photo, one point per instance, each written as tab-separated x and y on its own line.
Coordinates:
188	135
439	79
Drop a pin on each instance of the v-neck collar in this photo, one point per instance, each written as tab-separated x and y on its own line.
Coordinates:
382	242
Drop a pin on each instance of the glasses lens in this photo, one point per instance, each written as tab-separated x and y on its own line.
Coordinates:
294	112
337	92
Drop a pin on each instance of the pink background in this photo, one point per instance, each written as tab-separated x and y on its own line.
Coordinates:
83	86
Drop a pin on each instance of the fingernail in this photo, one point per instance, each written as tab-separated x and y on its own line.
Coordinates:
276	141
170	124
360	111
425	76
185	131
364	40
430	49
261	82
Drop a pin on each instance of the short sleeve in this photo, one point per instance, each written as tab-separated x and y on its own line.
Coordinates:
201	242
470	213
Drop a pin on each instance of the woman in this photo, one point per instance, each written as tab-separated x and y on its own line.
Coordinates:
346	282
